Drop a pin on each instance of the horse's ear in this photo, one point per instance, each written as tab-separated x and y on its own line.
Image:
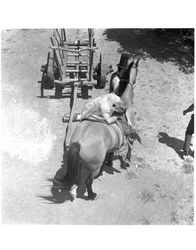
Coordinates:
127	71
137	62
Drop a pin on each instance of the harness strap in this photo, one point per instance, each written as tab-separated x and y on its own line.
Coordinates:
120	133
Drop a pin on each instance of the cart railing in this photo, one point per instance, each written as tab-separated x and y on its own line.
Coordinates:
72	50
74	63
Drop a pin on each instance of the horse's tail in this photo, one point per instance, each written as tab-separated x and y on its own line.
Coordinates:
70	180
73	172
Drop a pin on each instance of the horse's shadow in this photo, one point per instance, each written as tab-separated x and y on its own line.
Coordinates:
172	142
60	194
109	169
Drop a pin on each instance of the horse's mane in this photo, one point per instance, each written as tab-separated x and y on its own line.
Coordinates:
124	80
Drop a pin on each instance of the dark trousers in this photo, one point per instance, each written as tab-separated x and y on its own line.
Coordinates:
188	135
190	127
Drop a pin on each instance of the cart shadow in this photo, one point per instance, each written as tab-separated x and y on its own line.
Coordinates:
64	96
172	142
160	44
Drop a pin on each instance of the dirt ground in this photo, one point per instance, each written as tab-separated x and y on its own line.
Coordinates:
157	187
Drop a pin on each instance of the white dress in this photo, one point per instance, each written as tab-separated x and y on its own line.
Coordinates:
99	106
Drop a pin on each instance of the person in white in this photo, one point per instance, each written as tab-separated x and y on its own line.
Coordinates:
102	108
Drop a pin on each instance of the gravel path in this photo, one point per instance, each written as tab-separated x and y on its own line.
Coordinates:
157	188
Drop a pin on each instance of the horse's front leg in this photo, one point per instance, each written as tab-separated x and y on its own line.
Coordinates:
109	159
124	160
129	151
128	156
89	182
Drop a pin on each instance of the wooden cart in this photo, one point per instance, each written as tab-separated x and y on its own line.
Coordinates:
70	65
71	62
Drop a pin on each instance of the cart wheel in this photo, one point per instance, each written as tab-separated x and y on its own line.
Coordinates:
101	74
42	91
58	91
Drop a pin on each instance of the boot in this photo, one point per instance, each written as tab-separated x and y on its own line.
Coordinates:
187	143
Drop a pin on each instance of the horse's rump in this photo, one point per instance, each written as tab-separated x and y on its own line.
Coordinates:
89	130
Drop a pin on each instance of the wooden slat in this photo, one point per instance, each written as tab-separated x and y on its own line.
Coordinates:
78	62
80	54
73	104
75	44
60	53
79	42
57	32
66	81
90	31
68	87
63	35
72	81
74	51
76	70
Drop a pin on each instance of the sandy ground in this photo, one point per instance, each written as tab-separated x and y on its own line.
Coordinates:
157	187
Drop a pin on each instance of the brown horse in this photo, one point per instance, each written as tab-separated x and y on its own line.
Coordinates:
92	142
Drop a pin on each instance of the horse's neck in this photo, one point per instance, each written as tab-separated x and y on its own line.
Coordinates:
127	96
132	76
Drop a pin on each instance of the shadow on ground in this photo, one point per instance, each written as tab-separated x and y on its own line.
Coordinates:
172	142
60	194
161	44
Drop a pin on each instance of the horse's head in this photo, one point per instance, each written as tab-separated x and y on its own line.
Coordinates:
129	76
128	92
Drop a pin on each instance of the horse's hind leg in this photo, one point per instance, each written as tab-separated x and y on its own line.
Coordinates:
89	182
128	156
107	162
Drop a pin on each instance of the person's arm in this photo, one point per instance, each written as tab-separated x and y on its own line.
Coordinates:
189	109
106	111
109	119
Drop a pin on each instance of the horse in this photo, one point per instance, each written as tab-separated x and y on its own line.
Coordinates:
127	82
92	143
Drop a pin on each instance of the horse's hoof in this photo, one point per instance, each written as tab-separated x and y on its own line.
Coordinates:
127	164
93	197
73	191
109	164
